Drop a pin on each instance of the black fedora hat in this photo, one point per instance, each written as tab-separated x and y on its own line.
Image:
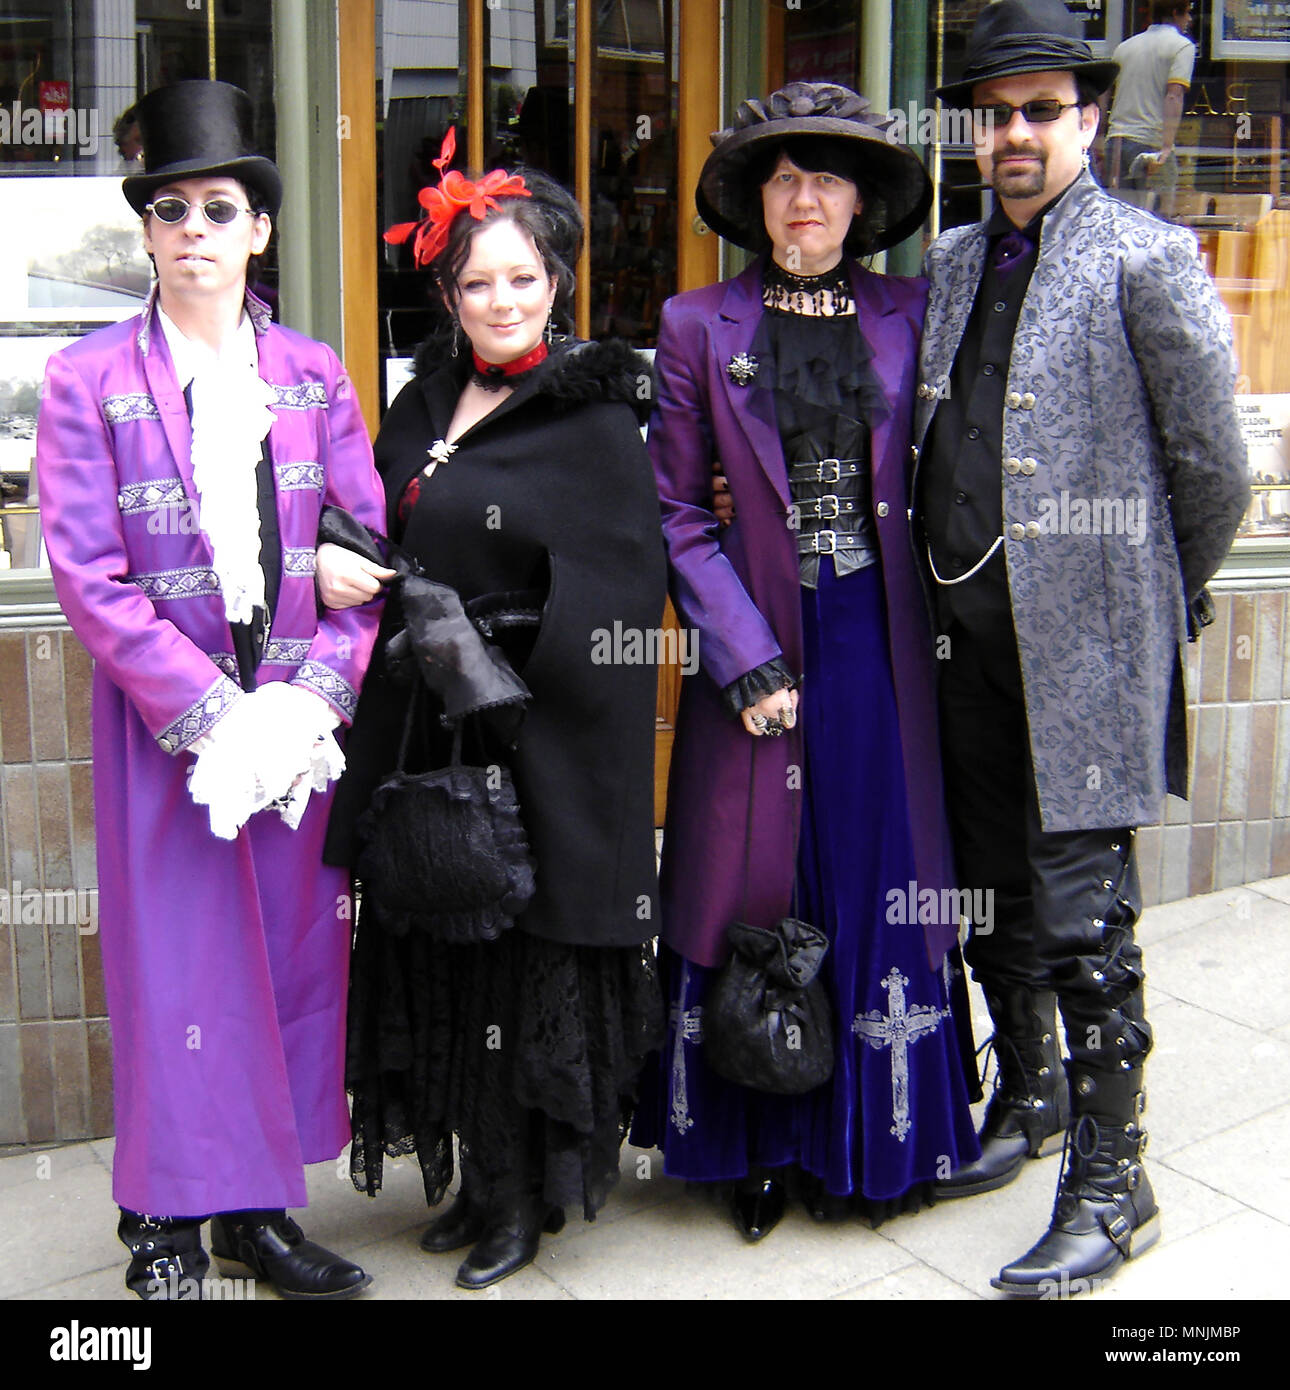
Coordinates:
1020	36
199	130
898	192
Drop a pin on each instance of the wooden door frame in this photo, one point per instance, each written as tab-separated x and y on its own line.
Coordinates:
700	40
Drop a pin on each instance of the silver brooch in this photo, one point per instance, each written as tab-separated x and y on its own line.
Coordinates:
441	451
741	368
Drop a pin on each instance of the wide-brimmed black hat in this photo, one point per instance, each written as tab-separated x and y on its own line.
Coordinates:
897	191
1020	36
199	130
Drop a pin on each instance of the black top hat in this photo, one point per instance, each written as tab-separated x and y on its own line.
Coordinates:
1019	36
898	192
198	130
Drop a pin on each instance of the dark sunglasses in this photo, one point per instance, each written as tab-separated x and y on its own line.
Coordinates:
219	210
1039	112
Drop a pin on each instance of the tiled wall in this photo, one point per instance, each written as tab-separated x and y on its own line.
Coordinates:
1236	826
55	1048
55	1063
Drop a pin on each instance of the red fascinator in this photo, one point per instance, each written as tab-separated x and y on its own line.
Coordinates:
455	194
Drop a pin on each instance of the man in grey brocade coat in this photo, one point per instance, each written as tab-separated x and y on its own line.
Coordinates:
1080	475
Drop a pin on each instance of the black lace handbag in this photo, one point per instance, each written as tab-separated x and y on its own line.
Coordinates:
445	852
768	1023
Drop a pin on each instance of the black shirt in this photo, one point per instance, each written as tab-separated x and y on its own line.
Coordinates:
961	480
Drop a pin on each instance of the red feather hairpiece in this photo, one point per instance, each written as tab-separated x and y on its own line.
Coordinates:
455	194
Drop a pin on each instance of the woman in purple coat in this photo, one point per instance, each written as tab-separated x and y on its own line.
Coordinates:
798	377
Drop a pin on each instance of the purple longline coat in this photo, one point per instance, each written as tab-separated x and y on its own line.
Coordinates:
225	962
739	588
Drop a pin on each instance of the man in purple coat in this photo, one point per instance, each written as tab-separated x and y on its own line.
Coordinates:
184	457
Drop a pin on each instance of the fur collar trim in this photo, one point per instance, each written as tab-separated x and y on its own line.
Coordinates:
577	372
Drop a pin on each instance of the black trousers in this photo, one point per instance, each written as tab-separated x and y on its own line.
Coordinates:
1064	902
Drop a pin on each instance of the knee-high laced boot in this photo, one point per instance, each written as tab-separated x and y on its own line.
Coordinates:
1105	1212
1029	1111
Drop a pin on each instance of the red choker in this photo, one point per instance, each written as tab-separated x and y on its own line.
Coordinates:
493	375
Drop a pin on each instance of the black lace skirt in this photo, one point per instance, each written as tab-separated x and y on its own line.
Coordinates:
527	1050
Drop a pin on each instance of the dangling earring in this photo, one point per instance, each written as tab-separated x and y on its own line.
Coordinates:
1084	159
547	332
456	331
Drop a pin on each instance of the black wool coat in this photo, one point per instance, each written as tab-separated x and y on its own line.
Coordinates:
553	491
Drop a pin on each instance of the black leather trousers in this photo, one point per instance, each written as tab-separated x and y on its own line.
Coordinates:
1064	902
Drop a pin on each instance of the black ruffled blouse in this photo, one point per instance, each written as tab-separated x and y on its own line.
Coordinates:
827	400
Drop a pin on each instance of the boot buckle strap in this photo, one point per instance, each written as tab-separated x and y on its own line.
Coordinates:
1119	1231
163	1268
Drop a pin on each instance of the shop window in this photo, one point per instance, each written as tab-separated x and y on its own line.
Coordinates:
71	256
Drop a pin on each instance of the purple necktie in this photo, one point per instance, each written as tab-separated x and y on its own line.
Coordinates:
1009	250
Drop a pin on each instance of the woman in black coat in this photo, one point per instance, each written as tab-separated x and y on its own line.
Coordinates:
497	461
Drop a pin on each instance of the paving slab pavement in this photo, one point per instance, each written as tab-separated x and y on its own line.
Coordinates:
1218	1111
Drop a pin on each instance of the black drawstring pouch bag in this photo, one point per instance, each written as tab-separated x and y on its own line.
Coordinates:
767	1022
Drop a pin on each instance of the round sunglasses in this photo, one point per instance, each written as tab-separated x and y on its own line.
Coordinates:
219	211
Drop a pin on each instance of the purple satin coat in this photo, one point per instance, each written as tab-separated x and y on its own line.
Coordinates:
225	962
740	589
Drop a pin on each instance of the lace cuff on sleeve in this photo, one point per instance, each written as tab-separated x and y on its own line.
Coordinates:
755	685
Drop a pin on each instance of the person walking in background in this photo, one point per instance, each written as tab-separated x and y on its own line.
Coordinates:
1155	70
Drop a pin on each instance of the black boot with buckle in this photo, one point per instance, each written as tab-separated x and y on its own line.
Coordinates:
1030	1108
1105	1212
167	1261
274	1249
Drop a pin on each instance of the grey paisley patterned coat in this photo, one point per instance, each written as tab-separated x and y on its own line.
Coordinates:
1124	480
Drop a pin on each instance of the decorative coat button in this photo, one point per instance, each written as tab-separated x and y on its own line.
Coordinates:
883	509
1028	466
913	452
1032	529
1028	401
1014	400
1017	531
1012	465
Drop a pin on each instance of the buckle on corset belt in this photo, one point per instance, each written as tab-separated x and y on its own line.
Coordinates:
823	503
829	471
826	542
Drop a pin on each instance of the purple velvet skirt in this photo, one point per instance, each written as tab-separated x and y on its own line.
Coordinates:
895	1114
